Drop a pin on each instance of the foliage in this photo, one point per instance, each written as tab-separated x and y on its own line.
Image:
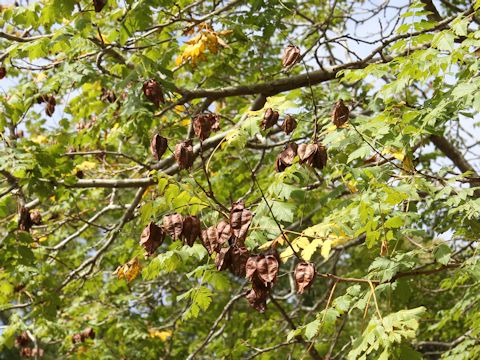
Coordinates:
175	123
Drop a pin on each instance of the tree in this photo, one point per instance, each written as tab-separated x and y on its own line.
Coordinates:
239	179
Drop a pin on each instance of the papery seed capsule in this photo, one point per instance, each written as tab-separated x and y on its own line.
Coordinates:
153	92
340	113
291	54
99	4
184	154
3	72
289	124
158	146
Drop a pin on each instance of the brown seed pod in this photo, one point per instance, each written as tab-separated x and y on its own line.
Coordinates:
24	220
240	219
42	98
173	225
289	124
340	113
22	340
203	124
152	237
291	54
108	96
50	108
267	269
304	276
285	158
224	258
239	258
36	217
191	229
224	231
262	269
210	239
158	146
99	4
184	154
314	155
270	118
257	297
88	333
3	72
153	92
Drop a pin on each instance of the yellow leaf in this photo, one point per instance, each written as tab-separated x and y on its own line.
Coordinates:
397	154
352	186
86	165
128	271
326	247
309	250
162	335
39	139
185	122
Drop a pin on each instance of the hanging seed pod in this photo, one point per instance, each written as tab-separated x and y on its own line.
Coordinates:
224	231
210	239
152	237
291	54
158	146
239	258
31	352
99	4
173	225
36	217
304	276
270	118
289	124
314	155
153	92
3	72
191	229
203	124
51	102
240	219
286	157
24	220
42	98
108	96
257	297
22	340
340	113
223	259
267	269
184	154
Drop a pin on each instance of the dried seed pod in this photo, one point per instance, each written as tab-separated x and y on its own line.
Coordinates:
42	98
239	258
223	259
251	267
108	95
152	237
36	217
173	225
257	297
153	92
191	229
270	118
291	54
240	219
24	220
22	340
99	4
314	155
340	113
88	333
3	72
304	276
158	146
224	231
210	239
267	269
203	124
289	124
76	338
184	154
285	158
